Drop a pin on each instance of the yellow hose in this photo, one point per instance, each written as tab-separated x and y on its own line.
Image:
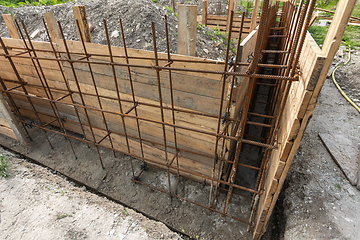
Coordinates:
341	91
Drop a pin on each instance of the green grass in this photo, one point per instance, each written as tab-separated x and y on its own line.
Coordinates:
61	216
351	36
18	3
4	167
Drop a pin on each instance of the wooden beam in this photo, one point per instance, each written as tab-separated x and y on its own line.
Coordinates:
187	26
337	27
204	12
11	120
254	15
80	14
52	26
10	24
230	8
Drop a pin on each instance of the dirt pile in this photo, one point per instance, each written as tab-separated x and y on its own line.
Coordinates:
136	16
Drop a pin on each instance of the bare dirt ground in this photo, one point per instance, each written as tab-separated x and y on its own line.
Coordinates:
35	203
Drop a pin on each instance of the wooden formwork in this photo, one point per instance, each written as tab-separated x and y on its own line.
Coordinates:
186	115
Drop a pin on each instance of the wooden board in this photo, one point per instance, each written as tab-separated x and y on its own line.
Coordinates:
344	152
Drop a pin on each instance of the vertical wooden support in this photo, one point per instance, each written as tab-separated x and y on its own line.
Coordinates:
52	26
187	26
204	12
11	120
318	76
254	15
230	8
10	24
337	27
80	14
177	7
172	5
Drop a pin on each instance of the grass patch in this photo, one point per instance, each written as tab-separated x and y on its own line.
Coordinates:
4	167
18	3
61	216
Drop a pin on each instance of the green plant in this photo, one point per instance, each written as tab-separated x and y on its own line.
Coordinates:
17	3
61	216
4	167
125	211
338	186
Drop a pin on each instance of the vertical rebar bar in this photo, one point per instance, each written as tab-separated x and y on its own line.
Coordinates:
171	89
94	83
80	92
118	95
160	101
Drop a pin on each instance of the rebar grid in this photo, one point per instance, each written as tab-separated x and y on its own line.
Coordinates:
220	135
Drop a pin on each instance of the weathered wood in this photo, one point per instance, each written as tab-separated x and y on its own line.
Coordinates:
187	27
254	15
17	131
80	14
52	26
358	171
344	152
228	20
343	12
10	24
204	12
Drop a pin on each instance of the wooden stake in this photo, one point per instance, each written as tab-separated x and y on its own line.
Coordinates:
11	120
10	24
204	12
80	14
177	7
254	15
52	26
230	8
187	26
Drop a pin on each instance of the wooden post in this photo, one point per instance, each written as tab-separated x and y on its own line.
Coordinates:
177	7
10	24
230	8
172	5
337	27
11	120
254	15
80	14
204	12
187	26
358	173
52	26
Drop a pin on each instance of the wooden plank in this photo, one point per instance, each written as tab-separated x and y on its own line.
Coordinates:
358	171
344	152
10	24
223	24
80	14
344	9
204	12
17	131
52	26
228	20
187	27
7	132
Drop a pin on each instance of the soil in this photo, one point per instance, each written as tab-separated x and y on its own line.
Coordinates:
35	203
136	16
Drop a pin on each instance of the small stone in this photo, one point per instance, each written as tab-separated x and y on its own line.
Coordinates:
115	34
35	33
206	51
138	27
138	40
